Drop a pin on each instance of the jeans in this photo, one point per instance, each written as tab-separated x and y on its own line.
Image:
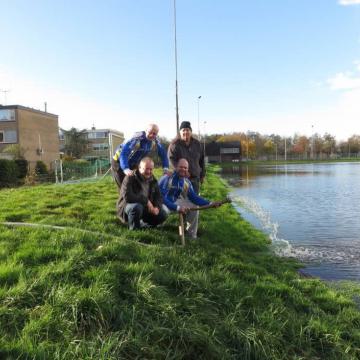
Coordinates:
136	212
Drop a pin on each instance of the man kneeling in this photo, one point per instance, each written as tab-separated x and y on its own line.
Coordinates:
179	195
140	198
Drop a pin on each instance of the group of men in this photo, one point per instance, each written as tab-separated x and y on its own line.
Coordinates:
144	202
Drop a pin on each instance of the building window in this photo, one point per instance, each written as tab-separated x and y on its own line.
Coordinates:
100	147
97	135
8	136
230	151
7	115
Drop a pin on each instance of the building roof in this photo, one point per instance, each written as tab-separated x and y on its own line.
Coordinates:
20	107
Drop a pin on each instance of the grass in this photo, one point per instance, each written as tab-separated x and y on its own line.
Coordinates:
98	291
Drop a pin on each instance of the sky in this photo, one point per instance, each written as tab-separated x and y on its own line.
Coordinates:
271	66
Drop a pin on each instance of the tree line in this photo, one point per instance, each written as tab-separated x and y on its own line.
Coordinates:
258	146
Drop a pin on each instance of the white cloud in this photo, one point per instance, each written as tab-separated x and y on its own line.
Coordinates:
344	81
349	2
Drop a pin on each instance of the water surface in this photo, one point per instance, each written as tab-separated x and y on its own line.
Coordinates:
310	211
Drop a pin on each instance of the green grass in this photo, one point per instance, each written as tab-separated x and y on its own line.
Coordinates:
99	291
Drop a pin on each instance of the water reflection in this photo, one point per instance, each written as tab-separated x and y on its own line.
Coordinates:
310	212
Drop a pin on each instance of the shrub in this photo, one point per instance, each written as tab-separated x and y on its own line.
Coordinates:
9	172
40	168
22	165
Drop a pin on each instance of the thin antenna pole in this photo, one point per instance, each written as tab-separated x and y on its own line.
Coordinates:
5	91
176	75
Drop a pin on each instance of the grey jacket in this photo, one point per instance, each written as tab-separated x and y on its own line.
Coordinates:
194	154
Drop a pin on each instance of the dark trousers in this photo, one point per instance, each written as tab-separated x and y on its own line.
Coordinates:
195	182
136	212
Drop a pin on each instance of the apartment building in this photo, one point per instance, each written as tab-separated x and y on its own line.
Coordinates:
35	131
101	143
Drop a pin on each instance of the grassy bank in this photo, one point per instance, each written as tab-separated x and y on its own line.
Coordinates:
98	291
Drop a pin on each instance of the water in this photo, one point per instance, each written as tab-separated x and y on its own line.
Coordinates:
310	211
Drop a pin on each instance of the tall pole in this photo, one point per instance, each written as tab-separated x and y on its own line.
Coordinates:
204	140
198	109
176	75
285	148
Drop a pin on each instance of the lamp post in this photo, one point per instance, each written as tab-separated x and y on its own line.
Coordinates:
176	74
204	140
198	114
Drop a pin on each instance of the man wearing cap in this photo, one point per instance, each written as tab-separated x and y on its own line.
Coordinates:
187	147
140	199
128	155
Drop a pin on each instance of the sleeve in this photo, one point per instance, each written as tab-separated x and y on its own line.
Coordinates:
163	155
163	184
128	194
125	153
196	199
173	154
157	196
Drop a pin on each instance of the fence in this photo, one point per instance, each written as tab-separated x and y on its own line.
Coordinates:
73	171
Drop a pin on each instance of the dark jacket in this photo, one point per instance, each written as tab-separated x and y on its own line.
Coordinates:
131	192
193	153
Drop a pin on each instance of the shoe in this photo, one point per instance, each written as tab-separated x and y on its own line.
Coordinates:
144	225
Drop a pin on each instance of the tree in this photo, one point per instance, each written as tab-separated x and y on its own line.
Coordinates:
301	145
76	142
354	144
329	143
15	150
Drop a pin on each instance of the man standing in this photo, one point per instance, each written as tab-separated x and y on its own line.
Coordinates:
189	148
179	195
140	198
128	155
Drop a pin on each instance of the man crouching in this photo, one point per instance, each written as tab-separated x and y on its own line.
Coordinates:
140	198
179	195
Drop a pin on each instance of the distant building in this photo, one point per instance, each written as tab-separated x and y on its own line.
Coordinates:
35	131
101	143
217	152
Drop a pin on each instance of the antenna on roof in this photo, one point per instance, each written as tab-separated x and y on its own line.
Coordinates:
5	91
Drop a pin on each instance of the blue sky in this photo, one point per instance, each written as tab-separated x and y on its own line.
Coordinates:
280	66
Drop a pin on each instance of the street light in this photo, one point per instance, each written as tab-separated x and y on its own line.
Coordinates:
176	74
198	109
204	140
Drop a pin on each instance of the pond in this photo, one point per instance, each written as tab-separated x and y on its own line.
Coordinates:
310	212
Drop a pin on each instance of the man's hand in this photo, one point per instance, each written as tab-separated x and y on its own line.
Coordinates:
128	172
183	210
167	172
216	204
152	209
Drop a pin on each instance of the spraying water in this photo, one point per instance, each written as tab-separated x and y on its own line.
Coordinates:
283	247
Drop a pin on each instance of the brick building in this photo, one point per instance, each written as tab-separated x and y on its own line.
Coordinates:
35	131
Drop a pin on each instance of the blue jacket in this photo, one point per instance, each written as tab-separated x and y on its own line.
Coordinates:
130	153
173	186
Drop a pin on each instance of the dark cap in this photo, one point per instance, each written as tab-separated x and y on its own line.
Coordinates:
185	125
